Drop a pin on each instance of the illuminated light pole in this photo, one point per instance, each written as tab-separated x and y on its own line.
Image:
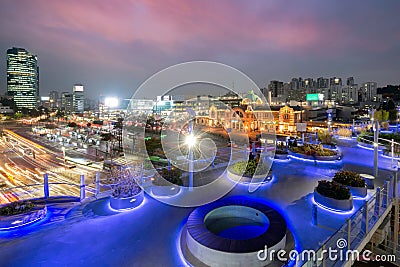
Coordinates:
329	111
190	141
63	150
376	136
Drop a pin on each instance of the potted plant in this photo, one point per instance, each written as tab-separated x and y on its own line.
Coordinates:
249	170
353	181
281	153
17	214
126	193
167	182
314	152
333	195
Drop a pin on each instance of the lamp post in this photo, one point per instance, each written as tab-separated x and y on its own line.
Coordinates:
329	111
190	142
376	136
63	150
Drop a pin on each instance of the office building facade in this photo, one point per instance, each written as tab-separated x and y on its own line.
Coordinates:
22	78
78	98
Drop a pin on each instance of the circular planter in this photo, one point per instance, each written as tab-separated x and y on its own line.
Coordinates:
335	204
310	157
281	156
246	179
232	232
11	222
370	146
127	203
165	190
358	191
369	180
388	152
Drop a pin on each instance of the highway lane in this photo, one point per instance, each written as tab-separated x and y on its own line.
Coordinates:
19	169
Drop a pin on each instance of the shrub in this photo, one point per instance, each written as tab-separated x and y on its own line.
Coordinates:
333	190
310	149
16	208
349	178
325	137
123	182
167	177
249	168
344	132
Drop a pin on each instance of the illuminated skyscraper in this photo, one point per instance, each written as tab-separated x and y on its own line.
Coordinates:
22	77
79	98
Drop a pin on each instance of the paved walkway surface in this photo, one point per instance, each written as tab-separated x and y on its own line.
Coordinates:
92	234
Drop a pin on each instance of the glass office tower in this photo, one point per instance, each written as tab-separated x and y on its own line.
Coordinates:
22	77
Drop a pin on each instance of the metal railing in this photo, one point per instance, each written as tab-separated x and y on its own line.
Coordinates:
48	189
357	230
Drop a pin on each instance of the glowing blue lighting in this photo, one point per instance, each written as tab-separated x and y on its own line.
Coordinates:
164	197
128	209
318	161
20	225
178	245
368	148
281	160
342	212
267	181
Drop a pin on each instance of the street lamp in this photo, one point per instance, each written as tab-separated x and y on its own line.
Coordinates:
190	141
63	150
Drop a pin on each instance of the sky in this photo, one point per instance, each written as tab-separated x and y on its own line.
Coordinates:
112	47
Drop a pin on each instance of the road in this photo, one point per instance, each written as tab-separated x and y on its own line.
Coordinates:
24	162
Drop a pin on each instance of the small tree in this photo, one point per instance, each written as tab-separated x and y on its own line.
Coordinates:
123	181
381	115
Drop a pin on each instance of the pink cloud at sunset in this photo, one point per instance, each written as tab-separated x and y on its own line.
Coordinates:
140	37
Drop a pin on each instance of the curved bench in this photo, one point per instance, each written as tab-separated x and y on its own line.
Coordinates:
213	249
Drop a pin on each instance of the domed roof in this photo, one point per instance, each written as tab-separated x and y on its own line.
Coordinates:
251	97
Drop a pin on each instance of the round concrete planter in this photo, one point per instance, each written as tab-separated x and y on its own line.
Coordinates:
370	145
127	202
255	178
358	191
369	180
281	156
165	191
335	204
310	157
388	152
12	222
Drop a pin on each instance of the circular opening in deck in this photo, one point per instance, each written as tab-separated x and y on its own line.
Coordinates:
236	222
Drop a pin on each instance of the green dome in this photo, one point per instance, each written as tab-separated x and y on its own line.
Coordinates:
251	97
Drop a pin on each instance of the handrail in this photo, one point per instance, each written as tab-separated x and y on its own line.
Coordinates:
370	204
371	141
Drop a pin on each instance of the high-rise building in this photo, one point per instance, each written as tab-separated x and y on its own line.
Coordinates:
322	82
350	81
347	94
67	102
276	88
79	98
54	100
22	78
368	91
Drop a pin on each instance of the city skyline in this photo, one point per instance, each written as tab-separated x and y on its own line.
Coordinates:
115	47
